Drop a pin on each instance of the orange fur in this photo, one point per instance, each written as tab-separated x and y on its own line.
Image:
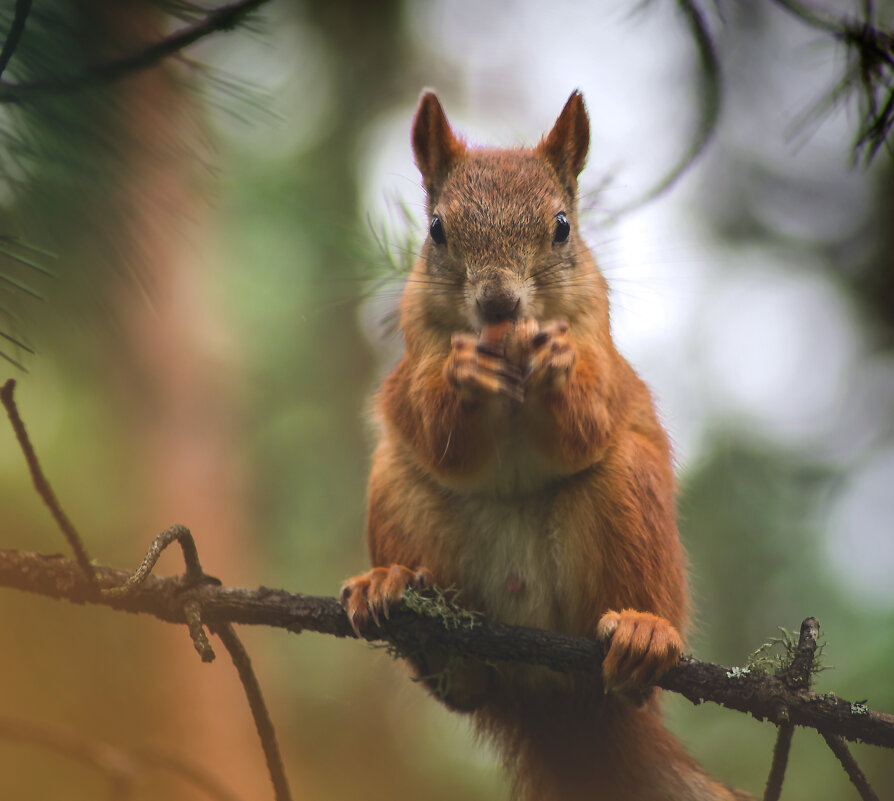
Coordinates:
520	460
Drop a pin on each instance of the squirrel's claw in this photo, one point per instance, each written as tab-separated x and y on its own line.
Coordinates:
375	593
353	599
477	369
641	647
508	358
542	354
552	356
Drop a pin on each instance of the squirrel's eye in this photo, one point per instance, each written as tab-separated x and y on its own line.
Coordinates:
563	228
436	229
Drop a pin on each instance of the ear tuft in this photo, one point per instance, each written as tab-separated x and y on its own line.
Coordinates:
565	146
435	146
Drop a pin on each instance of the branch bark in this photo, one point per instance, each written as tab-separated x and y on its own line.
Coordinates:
763	697
797	676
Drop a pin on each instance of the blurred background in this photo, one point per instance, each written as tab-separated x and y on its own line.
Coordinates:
226	234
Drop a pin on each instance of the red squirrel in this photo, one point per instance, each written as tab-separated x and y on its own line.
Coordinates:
520	461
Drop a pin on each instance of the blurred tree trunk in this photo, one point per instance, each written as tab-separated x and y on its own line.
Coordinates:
172	372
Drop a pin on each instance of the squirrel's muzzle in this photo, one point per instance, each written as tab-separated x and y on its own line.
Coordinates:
498	301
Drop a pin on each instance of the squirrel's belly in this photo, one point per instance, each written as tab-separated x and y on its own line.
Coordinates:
511	563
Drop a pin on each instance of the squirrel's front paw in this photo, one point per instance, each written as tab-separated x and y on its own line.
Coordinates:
642	647
545	353
552	356
376	592
476	370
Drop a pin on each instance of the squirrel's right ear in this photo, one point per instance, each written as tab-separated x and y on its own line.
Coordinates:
435	146
565	146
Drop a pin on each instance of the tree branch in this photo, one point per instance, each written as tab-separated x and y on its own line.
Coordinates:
224	18
840	749
23	8
710	104
796	676
189	603
44	490
763	697
259	712
780	762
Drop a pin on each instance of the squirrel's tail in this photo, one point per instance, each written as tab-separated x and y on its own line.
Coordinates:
565	748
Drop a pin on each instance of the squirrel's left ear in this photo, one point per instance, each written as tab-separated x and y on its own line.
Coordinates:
565	146
435	146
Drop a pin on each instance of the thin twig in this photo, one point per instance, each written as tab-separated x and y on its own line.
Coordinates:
225	18
16	29
176	533
711	95
780	762
764	697
44	490
797	677
818	18
799	673
259	712
192	577
840	749
173	763
113	762
192	611
121	766
868	12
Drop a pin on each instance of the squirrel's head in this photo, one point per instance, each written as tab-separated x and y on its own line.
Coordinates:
503	239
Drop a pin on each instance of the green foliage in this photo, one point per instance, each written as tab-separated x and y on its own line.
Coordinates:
15	251
773	656
869	76
395	239
441	603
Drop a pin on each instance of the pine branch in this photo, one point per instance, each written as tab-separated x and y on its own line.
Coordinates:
869	75
23	8
224	18
710	94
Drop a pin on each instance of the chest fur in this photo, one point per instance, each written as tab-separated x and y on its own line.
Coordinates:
510	558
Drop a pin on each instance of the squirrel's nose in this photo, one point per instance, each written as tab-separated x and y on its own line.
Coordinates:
497	303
